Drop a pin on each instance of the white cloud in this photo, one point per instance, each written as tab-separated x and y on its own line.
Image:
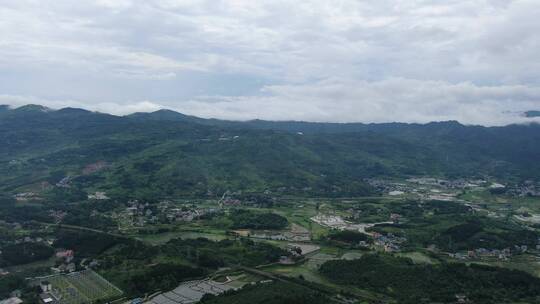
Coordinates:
394	99
103	107
339	100
326	60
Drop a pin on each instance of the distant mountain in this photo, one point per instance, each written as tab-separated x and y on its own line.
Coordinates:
288	126
166	115
168	154
532	114
332	128
32	108
73	111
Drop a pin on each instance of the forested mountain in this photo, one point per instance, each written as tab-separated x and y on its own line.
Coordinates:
167	153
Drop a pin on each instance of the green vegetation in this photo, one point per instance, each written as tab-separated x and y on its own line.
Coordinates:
164	158
8	283
244	219
453	227
176	185
475	234
24	253
85	244
138	268
348	238
160	277
408	282
226	252
88	214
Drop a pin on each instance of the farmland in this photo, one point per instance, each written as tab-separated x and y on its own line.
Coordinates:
152	247
81	288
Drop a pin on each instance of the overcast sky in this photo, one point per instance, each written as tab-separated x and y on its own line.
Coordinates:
476	61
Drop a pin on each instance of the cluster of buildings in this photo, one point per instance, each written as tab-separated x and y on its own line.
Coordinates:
57	215
484	253
139	214
46	296
331	221
449	184
26	196
173	213
384	186
338	223
186	215
64	182
424	186
528	188
388	242
28	239
98	196
267	235
297	233
65	261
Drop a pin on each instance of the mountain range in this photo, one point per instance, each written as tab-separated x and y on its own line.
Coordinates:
168	154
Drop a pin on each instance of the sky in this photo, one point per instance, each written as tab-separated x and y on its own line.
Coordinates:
475	61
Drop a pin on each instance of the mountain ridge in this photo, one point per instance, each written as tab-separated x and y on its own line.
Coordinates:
152	158
280	125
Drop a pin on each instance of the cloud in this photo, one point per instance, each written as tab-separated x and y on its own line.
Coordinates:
397	99
103	107
325	60
342	100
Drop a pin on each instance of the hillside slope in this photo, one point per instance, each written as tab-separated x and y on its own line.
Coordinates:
190	156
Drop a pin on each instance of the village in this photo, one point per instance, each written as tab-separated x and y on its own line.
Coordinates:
304	238
436	188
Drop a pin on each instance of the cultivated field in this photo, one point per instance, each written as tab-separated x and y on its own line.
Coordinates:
82	287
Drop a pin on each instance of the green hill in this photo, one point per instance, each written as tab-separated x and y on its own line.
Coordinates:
194	156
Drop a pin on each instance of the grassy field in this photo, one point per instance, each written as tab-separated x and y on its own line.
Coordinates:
496	202
82	287
526	262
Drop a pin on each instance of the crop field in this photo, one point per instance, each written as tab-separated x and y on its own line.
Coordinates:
82	287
